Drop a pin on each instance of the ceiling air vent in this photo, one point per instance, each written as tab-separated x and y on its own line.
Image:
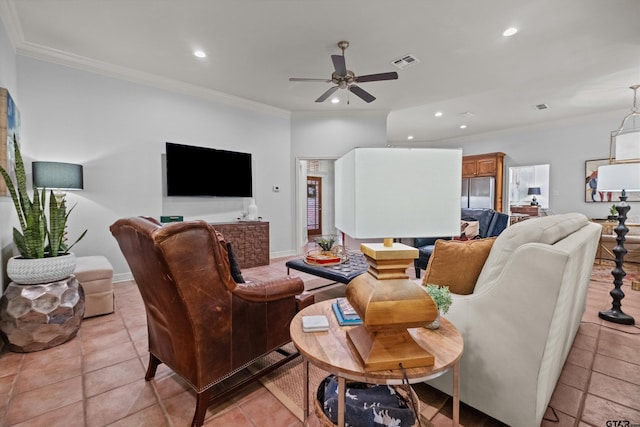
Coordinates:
542	106
405	61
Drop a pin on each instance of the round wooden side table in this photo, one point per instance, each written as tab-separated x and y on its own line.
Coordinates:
330	351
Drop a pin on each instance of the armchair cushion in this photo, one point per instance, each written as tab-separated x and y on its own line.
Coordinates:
446	269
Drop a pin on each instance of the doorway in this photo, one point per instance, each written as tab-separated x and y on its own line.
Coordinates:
314	200
314	206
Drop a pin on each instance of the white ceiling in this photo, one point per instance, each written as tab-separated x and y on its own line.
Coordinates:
577	56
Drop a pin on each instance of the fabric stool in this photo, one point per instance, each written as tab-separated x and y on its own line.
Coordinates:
95	274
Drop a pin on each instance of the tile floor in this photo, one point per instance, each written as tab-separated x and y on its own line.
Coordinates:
96	379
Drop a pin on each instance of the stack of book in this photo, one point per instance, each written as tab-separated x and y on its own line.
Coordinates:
317	323
345	313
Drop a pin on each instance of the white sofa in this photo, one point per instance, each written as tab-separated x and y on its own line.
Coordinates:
519	323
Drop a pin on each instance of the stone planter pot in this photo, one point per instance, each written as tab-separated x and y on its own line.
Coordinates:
40	270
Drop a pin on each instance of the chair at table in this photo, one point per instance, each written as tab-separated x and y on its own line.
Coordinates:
201	323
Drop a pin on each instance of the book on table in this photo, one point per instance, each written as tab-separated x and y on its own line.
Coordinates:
345	321
347	310
316	323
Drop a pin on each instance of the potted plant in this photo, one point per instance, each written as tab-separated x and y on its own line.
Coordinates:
44	253
442	297
326	243
613	213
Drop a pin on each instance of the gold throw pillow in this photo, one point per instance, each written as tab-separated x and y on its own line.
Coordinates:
457	264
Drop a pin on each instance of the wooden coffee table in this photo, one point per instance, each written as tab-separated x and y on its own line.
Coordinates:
330	351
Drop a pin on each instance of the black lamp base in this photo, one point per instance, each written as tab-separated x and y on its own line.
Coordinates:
616	316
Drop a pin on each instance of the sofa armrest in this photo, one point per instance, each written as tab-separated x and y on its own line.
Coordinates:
419	242
270	290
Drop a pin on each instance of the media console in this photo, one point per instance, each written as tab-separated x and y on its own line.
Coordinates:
249	239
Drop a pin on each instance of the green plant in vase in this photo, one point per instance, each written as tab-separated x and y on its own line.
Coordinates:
442	297
39	237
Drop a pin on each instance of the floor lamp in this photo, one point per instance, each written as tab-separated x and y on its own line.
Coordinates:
623	177
394	193
621	174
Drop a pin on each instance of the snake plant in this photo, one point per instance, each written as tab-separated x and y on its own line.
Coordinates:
37	239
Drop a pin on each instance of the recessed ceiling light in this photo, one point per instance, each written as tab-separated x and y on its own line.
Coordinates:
410	137
509	31
335	100
438	114
199	54
463	126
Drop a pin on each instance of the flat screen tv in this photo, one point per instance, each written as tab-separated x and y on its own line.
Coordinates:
200	171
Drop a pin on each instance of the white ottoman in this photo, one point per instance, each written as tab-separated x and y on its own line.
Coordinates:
95	274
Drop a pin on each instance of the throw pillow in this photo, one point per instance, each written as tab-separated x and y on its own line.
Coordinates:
233	263
469	229
457	264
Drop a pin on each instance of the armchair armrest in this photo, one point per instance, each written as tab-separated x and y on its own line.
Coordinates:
270	290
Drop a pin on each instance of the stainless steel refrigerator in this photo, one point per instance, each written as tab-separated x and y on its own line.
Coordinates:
478	192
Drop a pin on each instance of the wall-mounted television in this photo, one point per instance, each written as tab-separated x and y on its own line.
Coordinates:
201	171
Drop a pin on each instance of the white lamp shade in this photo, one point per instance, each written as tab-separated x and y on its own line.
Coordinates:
398	192
618	177
628	146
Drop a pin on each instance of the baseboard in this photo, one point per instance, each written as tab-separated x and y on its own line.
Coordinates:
122	277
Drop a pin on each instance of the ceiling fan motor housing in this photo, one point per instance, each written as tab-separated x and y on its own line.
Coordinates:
343	81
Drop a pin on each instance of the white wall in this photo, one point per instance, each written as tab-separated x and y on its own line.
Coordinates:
329	136
565	146
118	130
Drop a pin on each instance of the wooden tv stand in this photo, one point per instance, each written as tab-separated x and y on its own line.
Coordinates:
249	240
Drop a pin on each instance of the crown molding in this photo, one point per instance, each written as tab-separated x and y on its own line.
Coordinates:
11	22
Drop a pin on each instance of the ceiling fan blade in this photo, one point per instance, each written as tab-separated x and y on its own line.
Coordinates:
339	65
375	77
366	96
301	79
327	94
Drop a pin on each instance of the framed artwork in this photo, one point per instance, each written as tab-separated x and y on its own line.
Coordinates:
9	126
591	183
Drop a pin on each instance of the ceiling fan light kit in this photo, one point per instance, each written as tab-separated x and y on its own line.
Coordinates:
343	78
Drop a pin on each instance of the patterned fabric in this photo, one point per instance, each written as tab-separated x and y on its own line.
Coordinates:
469	229
366	405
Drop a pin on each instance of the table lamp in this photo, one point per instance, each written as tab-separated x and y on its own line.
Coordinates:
535	191
57	176
394	193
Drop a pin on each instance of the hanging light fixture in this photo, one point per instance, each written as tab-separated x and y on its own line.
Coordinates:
621	174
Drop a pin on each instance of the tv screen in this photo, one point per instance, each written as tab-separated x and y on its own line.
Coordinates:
200	171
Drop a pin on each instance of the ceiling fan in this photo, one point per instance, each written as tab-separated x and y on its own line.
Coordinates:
346	79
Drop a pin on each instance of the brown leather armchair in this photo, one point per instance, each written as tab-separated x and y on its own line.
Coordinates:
202	324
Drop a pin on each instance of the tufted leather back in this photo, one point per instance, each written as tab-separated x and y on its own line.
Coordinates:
201	323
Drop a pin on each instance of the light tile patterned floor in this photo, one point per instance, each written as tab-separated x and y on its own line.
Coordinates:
97	378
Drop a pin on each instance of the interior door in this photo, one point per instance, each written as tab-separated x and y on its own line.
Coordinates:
314	206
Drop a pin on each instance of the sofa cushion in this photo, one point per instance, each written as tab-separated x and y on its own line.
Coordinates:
457	264
546	230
